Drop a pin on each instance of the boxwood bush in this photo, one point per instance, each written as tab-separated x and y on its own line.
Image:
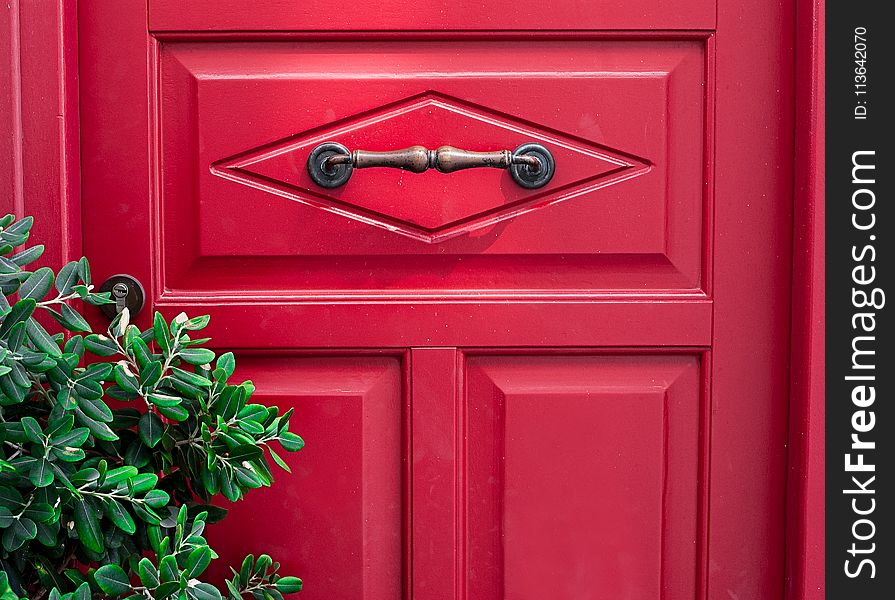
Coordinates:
113	444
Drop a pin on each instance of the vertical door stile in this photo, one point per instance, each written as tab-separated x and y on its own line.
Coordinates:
437	486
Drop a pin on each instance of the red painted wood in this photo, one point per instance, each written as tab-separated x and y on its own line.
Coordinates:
117	182
338	518
499	322
183	186
438	480
479	230
751	351
805	511
39	152
400	15
582	476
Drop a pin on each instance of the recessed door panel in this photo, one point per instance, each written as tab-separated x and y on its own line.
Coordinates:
581	477
624	211
336	520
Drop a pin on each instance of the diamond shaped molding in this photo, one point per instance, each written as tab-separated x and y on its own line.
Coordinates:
431	207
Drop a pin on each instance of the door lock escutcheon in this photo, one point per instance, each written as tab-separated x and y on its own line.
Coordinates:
126	291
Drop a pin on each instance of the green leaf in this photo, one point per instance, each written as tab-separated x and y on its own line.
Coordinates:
168	569
255	412
125	418
119	474
82	592
288	585
291	442
98	429
73	320
48	533
41	474
32	430
165	399
277	459
197	561
100	345
262	565
6	518
87	526
206	591
148	573
119	516
95	409
228	403
232	588
27	256
196	356
137	454
251	427
247	477
191	378
150	374
140	351
125	378
40	512
157	498
74	438
245	570
166	589
84	270
144	482
197	323
22	530
75	576
20	312
162	334
245	452
119	324
42	340
37	286
176	413
147	514
68	453
150	429
227	363
112	580
67	277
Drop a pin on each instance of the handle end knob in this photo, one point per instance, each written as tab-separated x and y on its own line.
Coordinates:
325	175
532	177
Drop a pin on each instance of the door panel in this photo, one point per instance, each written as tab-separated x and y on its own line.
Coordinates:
337	518
581	476
240	210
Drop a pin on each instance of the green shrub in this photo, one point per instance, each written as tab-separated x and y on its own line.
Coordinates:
114	501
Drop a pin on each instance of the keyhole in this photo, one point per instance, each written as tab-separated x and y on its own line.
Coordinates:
120	292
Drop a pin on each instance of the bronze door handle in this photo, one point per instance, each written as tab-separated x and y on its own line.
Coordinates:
530	165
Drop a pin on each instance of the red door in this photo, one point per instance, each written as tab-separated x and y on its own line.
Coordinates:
572	391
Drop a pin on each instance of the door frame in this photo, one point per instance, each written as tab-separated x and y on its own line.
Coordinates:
40	175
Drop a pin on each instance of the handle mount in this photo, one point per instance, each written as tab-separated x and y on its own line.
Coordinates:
331	164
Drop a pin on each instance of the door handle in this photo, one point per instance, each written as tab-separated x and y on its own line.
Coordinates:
530	165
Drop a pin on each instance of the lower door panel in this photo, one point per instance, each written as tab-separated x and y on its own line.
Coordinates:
581	476
494	475
336	520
